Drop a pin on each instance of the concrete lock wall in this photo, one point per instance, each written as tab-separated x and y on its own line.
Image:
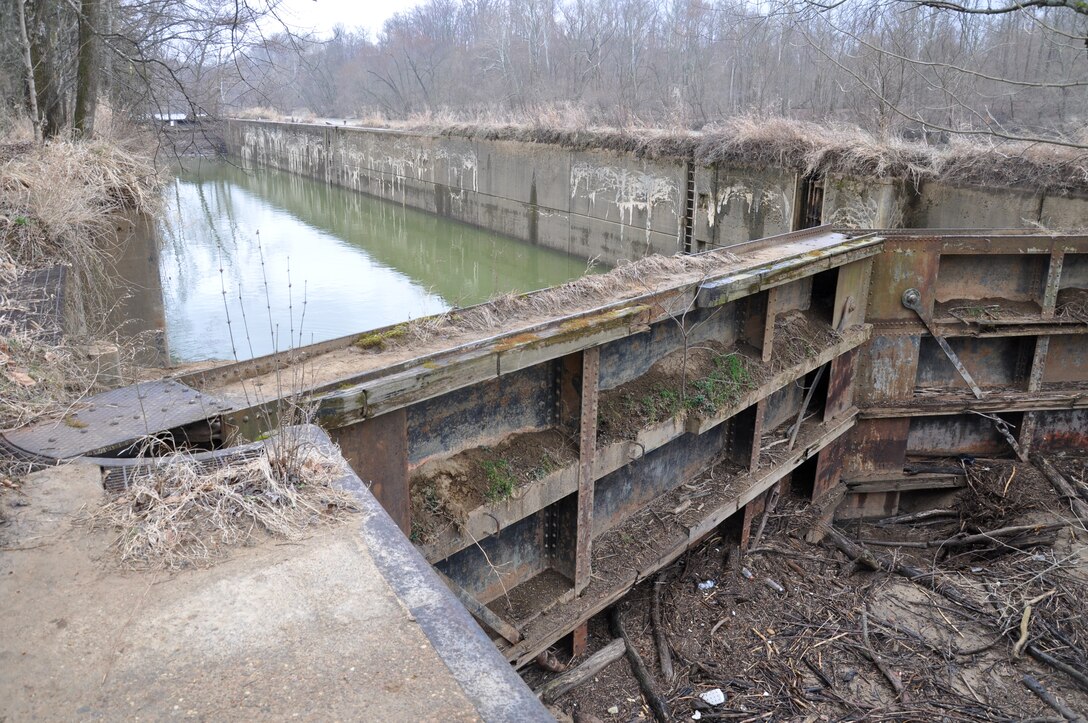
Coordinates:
614	206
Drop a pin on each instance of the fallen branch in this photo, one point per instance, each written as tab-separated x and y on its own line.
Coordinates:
870	559
571	679
916	517
664	654
878	562
889	675
657	704
1078	677
979	538
772	500
1044	695
1025	622
1062	487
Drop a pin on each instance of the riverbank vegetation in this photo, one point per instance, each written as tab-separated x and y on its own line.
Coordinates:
59	201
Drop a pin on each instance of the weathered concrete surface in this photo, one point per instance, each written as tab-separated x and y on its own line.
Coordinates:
309	631
857	203
941	205
742	203
1064	212
592	203
612	205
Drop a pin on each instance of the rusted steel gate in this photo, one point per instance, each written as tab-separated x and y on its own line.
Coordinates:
1013	307
546	469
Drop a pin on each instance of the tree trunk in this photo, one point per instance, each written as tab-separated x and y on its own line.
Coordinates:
31	86
86	77
48	63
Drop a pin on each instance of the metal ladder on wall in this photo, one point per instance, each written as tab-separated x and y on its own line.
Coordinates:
689	208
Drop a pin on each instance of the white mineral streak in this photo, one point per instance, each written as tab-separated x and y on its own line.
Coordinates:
774	203
630	191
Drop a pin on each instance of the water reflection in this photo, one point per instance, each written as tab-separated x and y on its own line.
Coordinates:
253	262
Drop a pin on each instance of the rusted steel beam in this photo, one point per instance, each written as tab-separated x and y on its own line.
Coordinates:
998	400
1053	283
840	389
569	391
767	344
587	449
786	269
986	241
1020	326
904	483
912	299
829	466
485	615
377	451
1035	380
853	282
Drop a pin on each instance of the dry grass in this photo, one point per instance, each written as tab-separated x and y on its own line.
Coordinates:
38	377
57	203
179	512
625	281
37	374
761	141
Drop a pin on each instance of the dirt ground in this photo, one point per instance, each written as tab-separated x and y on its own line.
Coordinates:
445	491
806	653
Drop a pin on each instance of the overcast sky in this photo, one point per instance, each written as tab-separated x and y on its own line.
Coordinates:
322	15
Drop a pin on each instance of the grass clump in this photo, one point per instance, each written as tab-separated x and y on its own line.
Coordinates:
178	512
660	403
548	464
500	480
376	340
729	379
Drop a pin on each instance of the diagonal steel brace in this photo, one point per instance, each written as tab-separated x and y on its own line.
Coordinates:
912	299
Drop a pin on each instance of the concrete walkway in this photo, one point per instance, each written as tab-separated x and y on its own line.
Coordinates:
350	624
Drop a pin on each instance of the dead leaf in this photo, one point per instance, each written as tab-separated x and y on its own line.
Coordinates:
20	377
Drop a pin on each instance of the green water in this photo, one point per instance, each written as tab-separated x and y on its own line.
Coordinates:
259	261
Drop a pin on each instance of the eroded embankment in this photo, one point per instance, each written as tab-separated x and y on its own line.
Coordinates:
59	207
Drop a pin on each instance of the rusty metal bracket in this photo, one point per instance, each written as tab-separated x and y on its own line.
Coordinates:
1005	430
912	299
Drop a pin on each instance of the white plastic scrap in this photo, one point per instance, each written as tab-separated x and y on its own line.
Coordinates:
707	585
696	715
713	697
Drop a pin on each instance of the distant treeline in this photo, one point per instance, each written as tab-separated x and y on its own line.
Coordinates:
1018	68
881	63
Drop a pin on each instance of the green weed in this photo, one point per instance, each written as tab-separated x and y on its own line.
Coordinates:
729	379
377	339
546	467
500	480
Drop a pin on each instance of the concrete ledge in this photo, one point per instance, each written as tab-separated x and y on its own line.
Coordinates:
348	624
